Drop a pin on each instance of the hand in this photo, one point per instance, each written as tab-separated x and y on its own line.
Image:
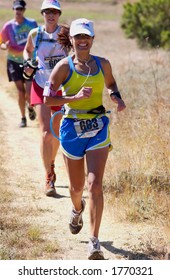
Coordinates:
30	67
4	46
120	103
28	71
85	92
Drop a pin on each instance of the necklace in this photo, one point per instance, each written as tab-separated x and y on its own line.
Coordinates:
84	61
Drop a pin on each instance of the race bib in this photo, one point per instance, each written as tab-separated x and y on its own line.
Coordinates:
88	128
51	61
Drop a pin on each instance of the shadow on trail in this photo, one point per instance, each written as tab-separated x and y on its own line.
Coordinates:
124	253
62	187
59	196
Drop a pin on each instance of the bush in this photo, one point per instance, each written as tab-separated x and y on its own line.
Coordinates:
148	22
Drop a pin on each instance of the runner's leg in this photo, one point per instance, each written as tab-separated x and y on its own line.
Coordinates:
96	161
21	96
28	90
31	111
75	169
46	145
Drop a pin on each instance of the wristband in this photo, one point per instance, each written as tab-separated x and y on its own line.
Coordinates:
48	91
116	94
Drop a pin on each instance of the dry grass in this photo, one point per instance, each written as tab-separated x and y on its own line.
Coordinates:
140	162
19	232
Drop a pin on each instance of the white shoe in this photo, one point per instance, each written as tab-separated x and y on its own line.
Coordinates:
94	250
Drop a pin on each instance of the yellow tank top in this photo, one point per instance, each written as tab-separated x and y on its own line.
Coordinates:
76	81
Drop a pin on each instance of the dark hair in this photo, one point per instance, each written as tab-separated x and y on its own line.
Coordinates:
63	36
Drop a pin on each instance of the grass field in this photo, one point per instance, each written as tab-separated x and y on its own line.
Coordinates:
100	10
137	173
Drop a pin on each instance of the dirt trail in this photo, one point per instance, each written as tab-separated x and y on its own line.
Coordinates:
23	164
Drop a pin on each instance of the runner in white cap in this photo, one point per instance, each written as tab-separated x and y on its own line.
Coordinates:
84	131
43	46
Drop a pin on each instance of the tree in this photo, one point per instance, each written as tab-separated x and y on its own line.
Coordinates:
148	22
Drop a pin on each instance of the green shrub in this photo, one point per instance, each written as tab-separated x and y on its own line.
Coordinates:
148	22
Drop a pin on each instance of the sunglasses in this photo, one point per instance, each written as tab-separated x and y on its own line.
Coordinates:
19	9
82	36
49	11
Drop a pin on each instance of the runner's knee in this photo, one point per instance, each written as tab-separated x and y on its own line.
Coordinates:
76	190
95	187
47	136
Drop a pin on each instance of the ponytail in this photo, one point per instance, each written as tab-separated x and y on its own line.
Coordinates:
63	37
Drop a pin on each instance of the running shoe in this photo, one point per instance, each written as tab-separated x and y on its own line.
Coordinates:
23	122
32	113
76	221
49	187
94	250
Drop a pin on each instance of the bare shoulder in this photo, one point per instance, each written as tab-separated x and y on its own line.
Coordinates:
63	64
105	63
33	32
64	61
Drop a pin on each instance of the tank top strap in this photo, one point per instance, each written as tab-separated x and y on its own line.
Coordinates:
70	62
96	58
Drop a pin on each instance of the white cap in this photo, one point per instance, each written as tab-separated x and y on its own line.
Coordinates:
50	4
82	26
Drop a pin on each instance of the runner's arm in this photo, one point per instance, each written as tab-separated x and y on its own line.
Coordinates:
111	84
29	48
4	40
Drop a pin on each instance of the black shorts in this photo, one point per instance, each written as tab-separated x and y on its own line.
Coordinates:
14	71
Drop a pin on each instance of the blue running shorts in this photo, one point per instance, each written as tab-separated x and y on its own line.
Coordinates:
74	146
